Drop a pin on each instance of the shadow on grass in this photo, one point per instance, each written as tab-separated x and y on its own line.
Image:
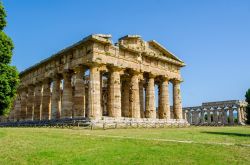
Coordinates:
227	133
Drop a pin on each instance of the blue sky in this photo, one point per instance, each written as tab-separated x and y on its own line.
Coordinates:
212	37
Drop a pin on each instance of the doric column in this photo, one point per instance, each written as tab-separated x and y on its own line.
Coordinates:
239	117
67	97
56	98
30	102
215	116
202	116
177	105
141	91
231	117
46	102
94	93
164	111
125	98
79	94
208	116
114	93
134	96
38	101
23	104
224	112
193	117
150	98
189	116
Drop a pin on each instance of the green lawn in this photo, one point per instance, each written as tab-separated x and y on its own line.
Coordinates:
193	145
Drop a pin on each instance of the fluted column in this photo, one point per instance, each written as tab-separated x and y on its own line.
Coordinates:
94	93
208	116
38	101
177	105
79	97
164	112
134	96
114	93
30	102
231	117
23	104
150	98
46	102
215	117
141	91
225	116
125	98
67	97
189	117
202	116
56	98
239	117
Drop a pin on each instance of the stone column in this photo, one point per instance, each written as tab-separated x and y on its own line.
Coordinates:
208	116
125	98
46	102
239	117
94	93
164	112
30	102
134	96
79	97
150	98
23	104
114	93
177	105
189	116
202	117
67	97
56	98
141	91
193	117
231	117
38	101
215	117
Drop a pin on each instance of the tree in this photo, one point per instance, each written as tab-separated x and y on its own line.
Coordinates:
248	106
8	74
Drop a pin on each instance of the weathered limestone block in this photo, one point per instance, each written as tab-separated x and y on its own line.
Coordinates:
23	104
46	100
150	99
94	93
177	105
56	98
38	101
164	111
67	97
79	95
125	98
114	94
134	96
30	102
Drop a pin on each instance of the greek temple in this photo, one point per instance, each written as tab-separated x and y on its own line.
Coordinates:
99	80
230	112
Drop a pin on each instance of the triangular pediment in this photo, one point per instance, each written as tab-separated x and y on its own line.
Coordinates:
162	51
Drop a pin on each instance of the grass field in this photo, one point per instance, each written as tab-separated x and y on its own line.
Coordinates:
193	145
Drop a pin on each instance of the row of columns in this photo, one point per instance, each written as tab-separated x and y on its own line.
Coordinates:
125	98
218	116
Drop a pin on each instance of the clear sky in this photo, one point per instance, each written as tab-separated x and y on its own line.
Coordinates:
211	36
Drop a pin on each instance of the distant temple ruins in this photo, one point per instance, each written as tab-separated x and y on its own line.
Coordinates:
98	80
229	112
